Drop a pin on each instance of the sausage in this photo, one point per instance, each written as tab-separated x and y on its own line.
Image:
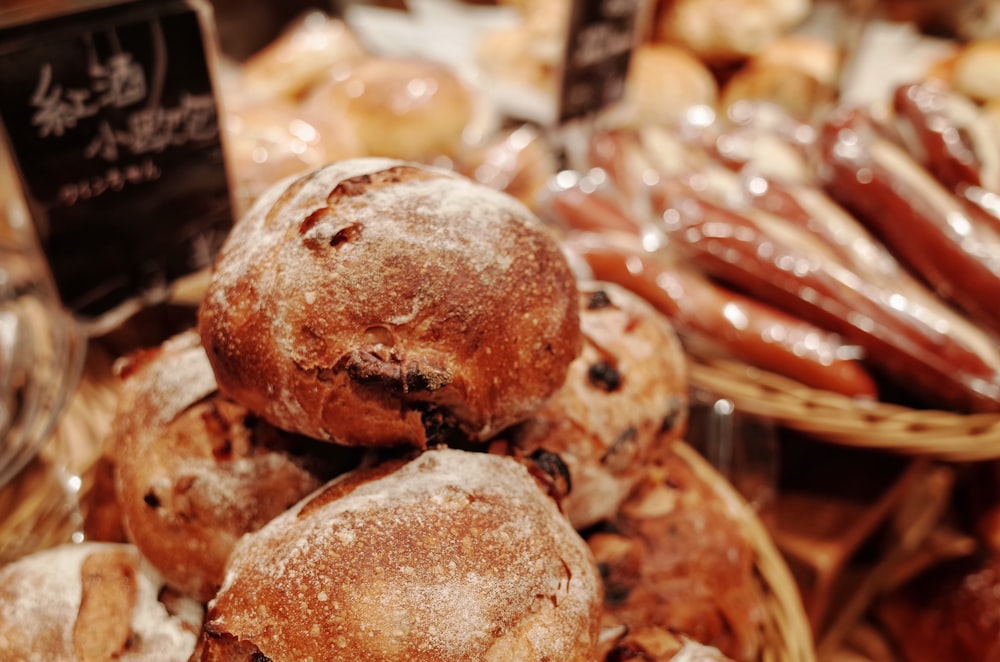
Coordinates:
572	208
921	222
721	321
813	211
947	134
781	265
702	312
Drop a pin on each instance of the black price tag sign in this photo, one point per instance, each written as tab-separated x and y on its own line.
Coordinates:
112	121
599	44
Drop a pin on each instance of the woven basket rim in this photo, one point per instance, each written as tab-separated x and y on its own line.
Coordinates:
849	421
793	641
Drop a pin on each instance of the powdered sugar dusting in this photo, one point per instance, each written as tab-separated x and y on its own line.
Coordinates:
444	196
254	235
175	379
231	491
42	595
439	556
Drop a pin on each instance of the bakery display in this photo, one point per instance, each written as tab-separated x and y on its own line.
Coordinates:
480	348
481	409
451	555
379	303
93	601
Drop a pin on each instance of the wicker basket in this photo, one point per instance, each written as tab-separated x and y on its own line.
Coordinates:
38	508
843	420
787	635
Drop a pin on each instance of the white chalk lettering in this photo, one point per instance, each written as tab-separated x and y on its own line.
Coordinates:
152	130
119	82
113	179
58	111
599	42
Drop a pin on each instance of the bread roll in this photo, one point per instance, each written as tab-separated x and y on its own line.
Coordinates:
305	53
816	57
92	602
450	556
791	89
267	142
721	30
379	303
403	108
195	471
519	162
663	83
976	70
624	401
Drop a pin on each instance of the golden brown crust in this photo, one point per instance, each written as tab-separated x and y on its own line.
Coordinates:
675	559
90	602
402	108
370	298
623	402
451	556
300	57
192	482
665	81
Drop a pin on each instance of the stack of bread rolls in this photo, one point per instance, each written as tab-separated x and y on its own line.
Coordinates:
399	421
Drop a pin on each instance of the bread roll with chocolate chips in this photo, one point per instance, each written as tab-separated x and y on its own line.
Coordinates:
624	401
194	471
92	602
373	300
453	555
